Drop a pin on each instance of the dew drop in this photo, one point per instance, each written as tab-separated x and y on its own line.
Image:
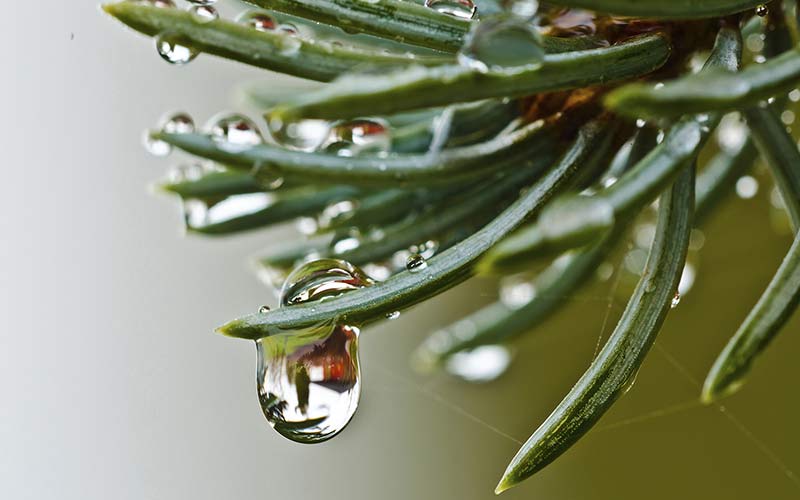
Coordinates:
309	381
502	41
204	13
393	315
202	2
352	137
259	21
301	135
234	131
675	300
171	49
177	123
762	10
416	263
155	147
200	214
482	364
263	309
462	9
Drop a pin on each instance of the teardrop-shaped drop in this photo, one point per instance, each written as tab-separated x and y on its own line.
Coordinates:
309	381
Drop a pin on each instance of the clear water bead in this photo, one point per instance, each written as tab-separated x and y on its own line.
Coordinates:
762	10
321	279
352	137
676	299
462	9
177	123
172	50
393	315
482	364
259	21
416	263
204	13
234	130
309	381
502	41
301	135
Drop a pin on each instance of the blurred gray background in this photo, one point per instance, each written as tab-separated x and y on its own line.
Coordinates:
114	386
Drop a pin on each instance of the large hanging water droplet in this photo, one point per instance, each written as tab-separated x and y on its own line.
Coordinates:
502	41
309	380
462	9
482	364
352	137
234	131
172	50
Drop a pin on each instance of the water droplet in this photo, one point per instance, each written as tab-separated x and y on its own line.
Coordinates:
746	187
204	13
263	309
416	263
640	123
762	10
393	315
302	135
309	380
352	137
267	175
320	279
155	147
605	271
177	123
502	41
462	9
202	2
172	50
794	95
186	173
482	364
259	21
787	117
306	225
675	300
288	28
234	132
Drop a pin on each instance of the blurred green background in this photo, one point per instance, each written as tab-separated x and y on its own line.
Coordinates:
115	387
